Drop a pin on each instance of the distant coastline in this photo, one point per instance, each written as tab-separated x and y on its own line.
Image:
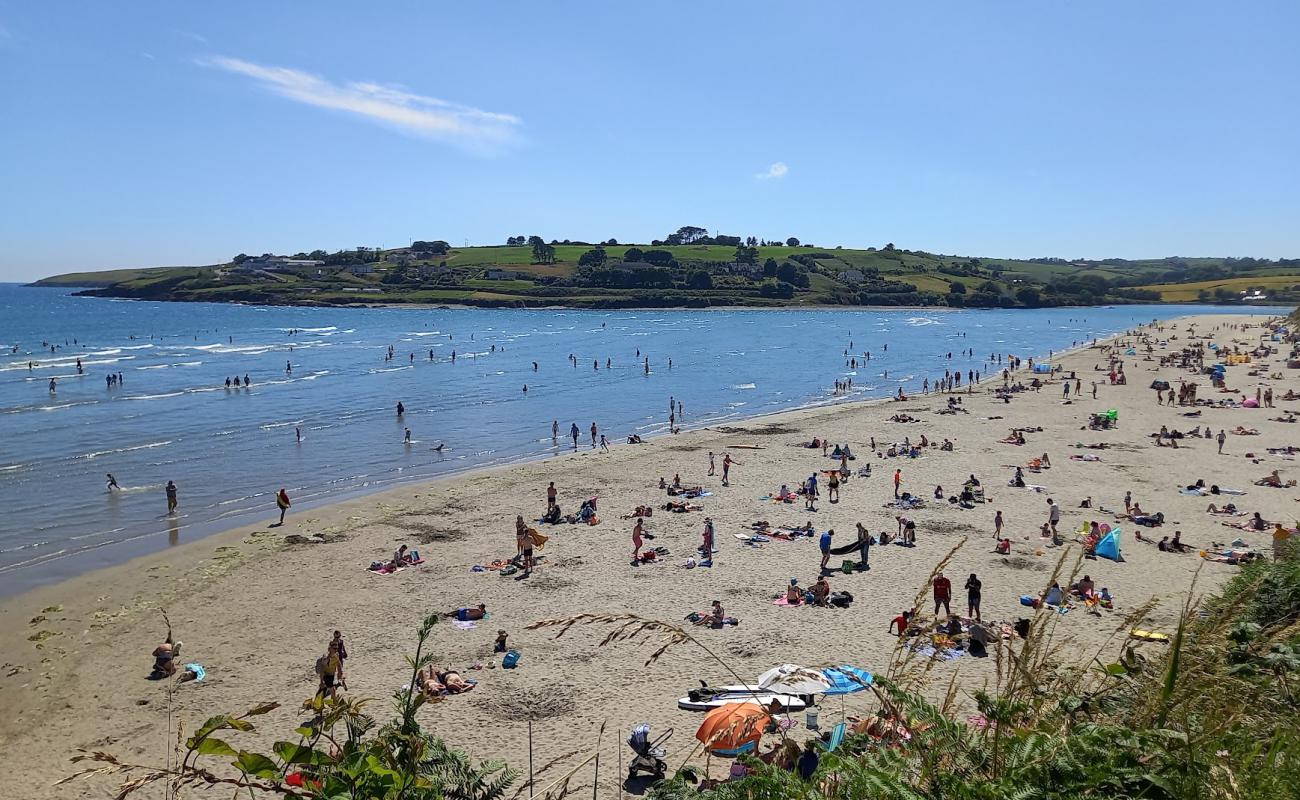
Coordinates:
704	272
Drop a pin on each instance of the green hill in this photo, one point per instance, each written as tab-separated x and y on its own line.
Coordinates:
711	272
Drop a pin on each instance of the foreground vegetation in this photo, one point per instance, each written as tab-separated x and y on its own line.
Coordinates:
1212	715
691	268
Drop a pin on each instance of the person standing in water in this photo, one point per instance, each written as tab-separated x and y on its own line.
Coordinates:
401	409
555	430
593	436
112	483
282	501
297	431
288	368
53	384
171	497
407	437
575	433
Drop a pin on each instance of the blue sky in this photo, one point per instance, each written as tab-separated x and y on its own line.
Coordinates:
143	133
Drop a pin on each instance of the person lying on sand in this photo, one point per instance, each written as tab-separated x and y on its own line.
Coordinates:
641	511
454	682
426	680
468	613
681	506
1226	510
1240	431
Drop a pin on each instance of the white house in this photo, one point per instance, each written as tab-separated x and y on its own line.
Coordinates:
277	264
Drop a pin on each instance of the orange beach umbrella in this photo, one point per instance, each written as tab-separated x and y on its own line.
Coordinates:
732	726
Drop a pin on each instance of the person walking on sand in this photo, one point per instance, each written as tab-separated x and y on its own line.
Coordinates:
997	525
604	443
726	470
973	587
550	495
112	483
711	472
330	669
942	595
706	549
171	497
824	543
898	481
282	500
1053	515
1222	437
637	531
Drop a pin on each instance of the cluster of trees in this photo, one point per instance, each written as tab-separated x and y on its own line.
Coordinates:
437	247
693	234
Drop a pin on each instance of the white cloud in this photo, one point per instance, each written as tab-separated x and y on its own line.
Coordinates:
777	170
391	106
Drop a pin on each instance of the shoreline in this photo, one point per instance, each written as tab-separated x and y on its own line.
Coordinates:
214	529
254	610
77	291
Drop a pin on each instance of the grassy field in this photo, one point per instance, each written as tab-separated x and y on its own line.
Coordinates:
1184	292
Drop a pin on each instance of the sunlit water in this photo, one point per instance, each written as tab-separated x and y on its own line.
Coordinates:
230	450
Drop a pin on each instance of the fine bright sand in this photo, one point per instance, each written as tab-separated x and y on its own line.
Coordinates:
257	612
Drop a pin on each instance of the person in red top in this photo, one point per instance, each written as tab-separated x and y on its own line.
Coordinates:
942	594
898	481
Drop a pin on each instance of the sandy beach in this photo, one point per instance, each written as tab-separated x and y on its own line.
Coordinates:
257	612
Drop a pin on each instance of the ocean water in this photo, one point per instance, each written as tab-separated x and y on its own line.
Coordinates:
230	450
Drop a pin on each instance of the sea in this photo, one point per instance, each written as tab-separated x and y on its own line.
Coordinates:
318	416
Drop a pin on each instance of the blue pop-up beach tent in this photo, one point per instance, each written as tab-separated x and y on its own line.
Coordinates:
1108	547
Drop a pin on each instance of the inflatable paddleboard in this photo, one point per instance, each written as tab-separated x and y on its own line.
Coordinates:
721	695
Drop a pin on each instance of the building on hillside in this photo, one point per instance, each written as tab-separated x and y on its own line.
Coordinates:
277	264
851	276
1255	296
431	270
361	269
500	275
745	270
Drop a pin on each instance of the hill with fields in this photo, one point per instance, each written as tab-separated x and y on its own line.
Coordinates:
692	269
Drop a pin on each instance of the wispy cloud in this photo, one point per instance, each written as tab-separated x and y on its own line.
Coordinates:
392	106
777	170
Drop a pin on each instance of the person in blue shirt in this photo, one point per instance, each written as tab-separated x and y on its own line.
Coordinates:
825	544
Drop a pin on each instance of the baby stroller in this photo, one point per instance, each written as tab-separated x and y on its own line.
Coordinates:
649	754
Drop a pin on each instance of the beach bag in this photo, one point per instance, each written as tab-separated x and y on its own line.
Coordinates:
848	566
1022	628
511	660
